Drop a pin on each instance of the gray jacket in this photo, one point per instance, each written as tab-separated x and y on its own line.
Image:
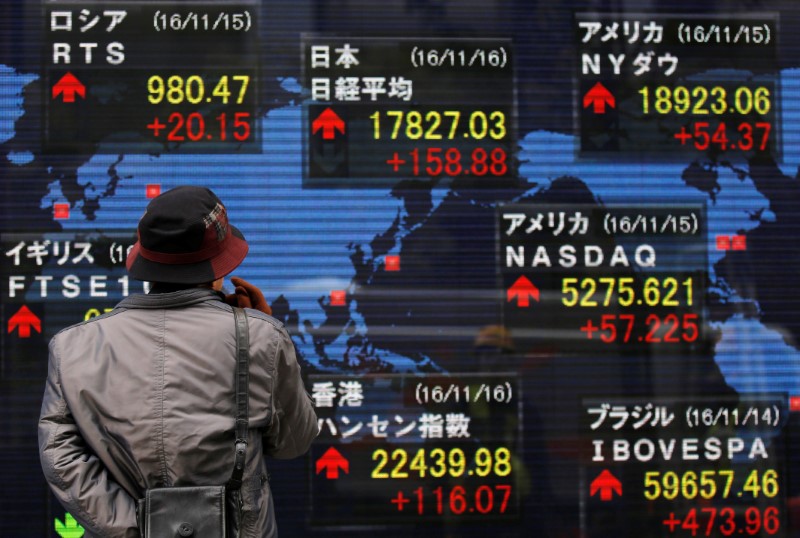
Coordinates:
143	397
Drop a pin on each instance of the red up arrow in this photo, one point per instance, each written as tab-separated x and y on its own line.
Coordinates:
522	290
331	461
69	86
599	97
24	319
607	484
329	122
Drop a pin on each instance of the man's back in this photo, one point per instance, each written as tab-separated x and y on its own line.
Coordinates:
150	388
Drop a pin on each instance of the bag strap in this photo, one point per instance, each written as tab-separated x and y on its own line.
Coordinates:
242	375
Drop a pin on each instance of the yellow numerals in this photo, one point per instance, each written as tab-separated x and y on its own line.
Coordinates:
702	101
625	291
178	90
709	484
438	462
439	125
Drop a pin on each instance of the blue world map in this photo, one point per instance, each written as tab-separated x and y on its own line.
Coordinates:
344	244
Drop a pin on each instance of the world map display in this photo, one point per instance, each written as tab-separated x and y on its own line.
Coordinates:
306	243
751	197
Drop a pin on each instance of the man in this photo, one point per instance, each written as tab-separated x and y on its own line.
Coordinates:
143	396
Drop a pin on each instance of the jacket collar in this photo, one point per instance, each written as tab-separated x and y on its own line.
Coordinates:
173	299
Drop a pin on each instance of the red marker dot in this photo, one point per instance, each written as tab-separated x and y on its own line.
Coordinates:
392	263
61	211
338	298
152	190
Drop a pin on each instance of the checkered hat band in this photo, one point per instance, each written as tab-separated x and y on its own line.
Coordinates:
218	217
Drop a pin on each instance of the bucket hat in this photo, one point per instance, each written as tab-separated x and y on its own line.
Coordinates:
184	237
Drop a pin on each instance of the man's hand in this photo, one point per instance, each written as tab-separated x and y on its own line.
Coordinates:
247	296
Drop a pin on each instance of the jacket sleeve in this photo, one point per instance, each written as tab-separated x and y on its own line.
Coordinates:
78	478
294	422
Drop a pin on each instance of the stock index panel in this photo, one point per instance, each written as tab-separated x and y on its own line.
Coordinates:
539	260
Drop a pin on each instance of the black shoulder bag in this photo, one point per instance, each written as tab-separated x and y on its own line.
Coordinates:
200	511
